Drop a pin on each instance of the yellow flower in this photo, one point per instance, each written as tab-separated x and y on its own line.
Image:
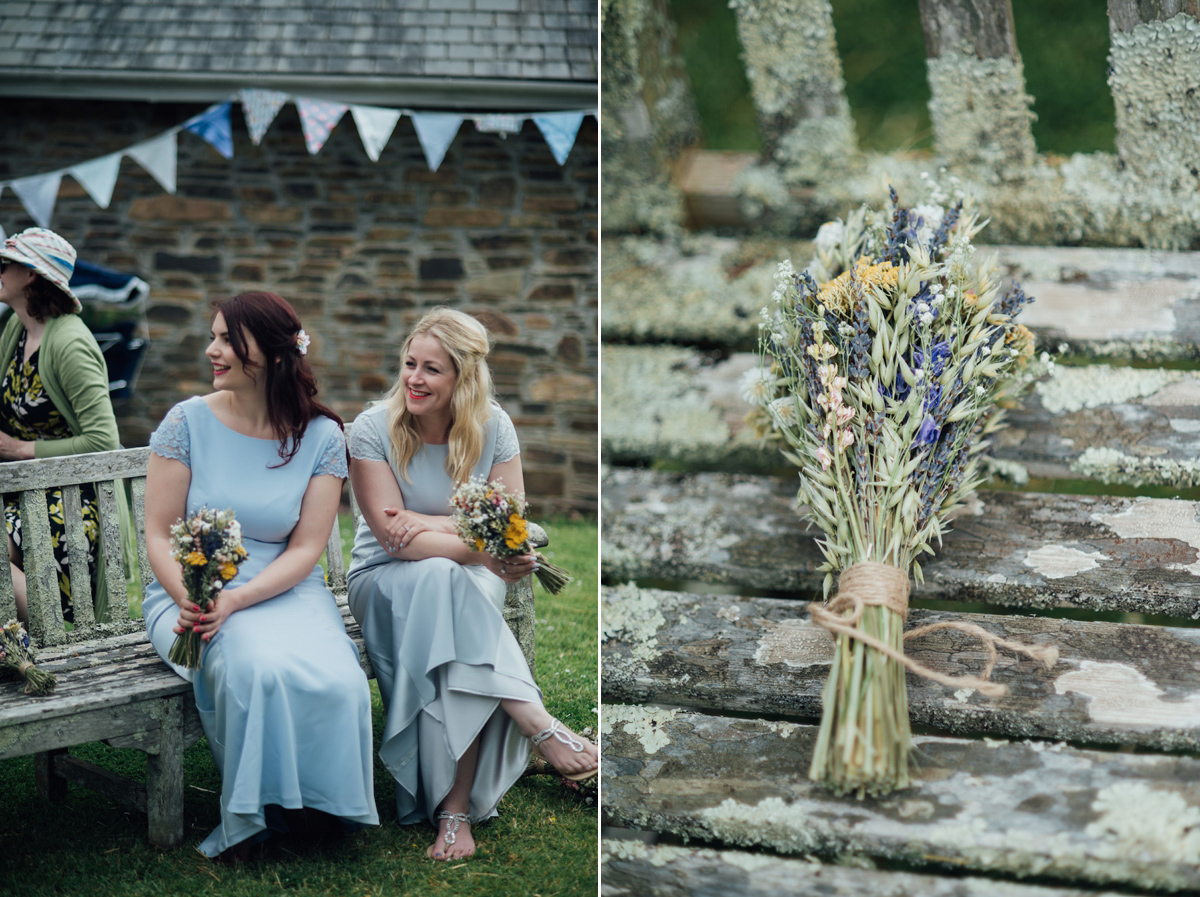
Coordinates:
516	534
196	559
228	570
838	295
1022	341
478	544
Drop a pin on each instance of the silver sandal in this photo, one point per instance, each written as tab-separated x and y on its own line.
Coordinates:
556	730
456	819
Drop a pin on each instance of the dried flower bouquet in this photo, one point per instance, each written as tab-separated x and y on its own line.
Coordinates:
884	368
16	658
208	546
489	518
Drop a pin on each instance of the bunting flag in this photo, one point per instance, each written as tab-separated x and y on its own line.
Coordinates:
435	133
98	177
499	123
375	126
37	195
213	126
158	156
318	119
260	108
559	129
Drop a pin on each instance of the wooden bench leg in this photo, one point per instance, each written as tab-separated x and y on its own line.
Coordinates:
50	784
164	783
519	615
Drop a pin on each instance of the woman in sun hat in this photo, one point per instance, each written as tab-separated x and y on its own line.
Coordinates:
53	391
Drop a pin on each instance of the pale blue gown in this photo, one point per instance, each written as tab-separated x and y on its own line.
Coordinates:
283	701
435	633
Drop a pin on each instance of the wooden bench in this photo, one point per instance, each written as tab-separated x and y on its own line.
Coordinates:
1085	775
112	686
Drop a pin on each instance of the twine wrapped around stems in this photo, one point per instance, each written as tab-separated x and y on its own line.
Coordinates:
883	585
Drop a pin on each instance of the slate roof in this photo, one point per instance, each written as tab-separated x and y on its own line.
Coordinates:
449	52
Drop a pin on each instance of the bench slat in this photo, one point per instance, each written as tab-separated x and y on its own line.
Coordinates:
1026	550
998	808
110	536
8	602
137	489
1111	425
1083	295
1114	683
41	577
77	547
631	869
49	472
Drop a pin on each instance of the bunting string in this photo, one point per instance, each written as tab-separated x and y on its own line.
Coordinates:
318	118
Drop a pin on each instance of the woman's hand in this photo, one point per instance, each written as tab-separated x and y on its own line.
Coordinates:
14	449
403	526
205	623
511	569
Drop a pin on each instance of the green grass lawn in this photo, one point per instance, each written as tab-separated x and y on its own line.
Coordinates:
543	843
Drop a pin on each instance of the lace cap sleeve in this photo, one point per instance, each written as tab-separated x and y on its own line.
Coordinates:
170	438
507	446
333	458
365	441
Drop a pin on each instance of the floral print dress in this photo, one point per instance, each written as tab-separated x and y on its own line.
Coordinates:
26	412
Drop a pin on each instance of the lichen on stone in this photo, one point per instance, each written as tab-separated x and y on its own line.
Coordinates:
1075	388
769	823
646	724
1143	824
634	616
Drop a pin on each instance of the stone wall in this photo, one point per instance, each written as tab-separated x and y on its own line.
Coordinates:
361	249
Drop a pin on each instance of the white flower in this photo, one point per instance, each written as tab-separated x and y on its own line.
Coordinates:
756	385
829	236
302	342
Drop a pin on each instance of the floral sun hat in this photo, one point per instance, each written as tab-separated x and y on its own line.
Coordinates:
46	253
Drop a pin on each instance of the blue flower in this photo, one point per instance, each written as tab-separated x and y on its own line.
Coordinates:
928	433
938	355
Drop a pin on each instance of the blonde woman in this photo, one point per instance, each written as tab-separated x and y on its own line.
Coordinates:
462	708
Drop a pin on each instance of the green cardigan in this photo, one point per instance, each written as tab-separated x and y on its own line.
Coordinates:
75	377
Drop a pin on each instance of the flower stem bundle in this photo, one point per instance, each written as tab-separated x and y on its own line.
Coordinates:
489	518
16	656
885	366
208	546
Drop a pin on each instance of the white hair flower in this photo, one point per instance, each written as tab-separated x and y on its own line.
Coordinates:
302	342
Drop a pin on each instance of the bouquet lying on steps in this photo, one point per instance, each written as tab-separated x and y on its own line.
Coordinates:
885	365
16	660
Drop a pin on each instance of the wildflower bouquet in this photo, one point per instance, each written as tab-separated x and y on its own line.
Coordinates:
16	656
884	366
489	519
208	545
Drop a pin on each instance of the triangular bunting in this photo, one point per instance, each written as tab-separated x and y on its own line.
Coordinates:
213	125
435	132
98	177
318	119
375	126
38	194
501	123
260	108
559	129
159	157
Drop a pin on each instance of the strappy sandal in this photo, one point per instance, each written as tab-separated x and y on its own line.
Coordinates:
558	733
456	819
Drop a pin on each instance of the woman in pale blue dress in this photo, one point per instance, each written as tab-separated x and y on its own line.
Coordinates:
463	711
285	706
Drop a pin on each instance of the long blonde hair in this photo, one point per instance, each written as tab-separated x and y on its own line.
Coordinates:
465	340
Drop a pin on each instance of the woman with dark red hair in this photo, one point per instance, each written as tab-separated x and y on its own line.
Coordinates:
282	698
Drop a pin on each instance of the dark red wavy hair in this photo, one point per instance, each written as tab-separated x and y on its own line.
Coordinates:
291	384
